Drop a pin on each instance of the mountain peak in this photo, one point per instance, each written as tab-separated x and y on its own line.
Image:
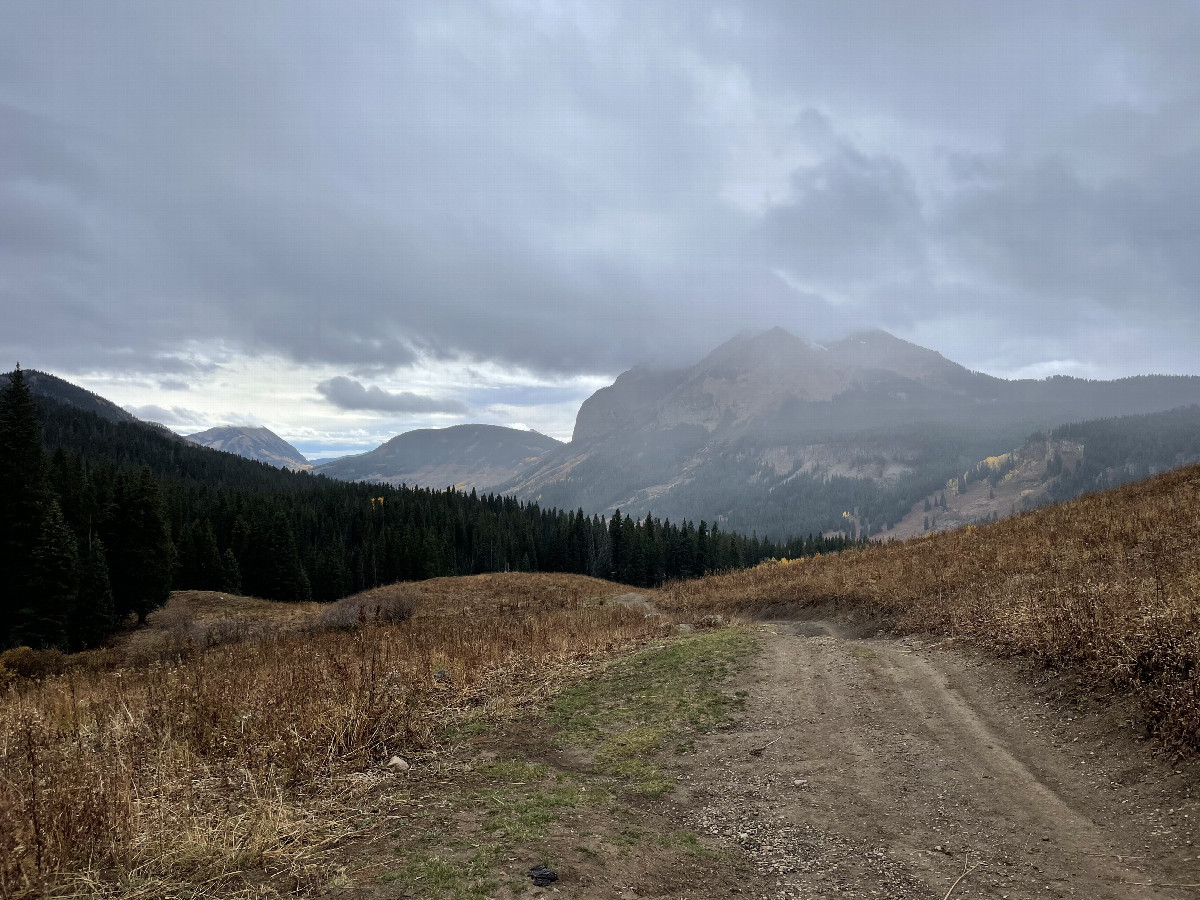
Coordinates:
467	456
252	442
748	343
879	350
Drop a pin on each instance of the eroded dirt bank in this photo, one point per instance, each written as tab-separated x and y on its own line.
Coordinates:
888	768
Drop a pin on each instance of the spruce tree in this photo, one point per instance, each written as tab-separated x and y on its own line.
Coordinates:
70	485
94	616
285	578
617	549
199	559
248	550
331	580
141	557
431	555
24	500
42	621
231	574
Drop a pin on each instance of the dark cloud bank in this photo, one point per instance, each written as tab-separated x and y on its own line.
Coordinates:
580	187
346	393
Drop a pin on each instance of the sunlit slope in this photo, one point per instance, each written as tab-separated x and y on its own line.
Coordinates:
1109	583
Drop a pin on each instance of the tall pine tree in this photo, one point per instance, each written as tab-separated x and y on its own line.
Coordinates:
42	622
140	554
94	616
24	502
200	566
285	576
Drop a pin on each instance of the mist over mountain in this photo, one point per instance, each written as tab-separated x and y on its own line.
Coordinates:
466	456
776	434
260	444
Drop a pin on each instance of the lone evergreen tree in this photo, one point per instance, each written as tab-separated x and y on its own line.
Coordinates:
231	573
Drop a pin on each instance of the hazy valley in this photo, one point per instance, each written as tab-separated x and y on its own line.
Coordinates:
774	434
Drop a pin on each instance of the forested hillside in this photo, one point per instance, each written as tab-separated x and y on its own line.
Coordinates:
103	518
1056	466
1117	451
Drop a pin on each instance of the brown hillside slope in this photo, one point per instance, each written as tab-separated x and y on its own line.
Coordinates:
240	735
1108	584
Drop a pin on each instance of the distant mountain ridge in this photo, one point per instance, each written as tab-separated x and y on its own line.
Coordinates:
42	384
778	434
259	443
464	456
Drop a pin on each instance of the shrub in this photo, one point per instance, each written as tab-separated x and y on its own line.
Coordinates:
25	662
367	609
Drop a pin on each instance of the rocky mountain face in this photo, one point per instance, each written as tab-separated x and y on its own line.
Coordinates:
260	444
777	434
1053	467
465	456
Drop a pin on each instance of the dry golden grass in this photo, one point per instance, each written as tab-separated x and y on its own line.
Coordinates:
139	775
1108	584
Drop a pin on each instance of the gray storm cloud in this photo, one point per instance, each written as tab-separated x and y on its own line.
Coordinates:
346	393
174	416
577	187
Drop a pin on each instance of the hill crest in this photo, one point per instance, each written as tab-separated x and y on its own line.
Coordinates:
464	456
257	443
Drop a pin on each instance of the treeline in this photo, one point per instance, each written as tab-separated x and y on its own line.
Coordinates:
101	519
75	559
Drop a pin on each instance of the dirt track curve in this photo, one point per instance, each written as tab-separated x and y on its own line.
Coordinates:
888	768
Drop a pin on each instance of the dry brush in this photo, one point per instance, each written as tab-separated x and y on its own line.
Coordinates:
201	758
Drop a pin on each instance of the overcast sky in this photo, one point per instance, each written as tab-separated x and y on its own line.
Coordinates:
343	220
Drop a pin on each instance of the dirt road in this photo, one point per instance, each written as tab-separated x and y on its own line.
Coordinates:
889	768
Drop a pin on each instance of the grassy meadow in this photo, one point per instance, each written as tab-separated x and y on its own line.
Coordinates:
235	733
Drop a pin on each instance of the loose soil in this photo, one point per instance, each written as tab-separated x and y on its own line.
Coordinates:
888	768
848	765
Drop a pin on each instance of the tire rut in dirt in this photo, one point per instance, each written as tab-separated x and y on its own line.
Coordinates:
861	771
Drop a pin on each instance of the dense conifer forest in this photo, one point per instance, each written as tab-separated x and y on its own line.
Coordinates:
101	519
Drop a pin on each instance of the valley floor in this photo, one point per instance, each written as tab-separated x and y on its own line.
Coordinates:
849	767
